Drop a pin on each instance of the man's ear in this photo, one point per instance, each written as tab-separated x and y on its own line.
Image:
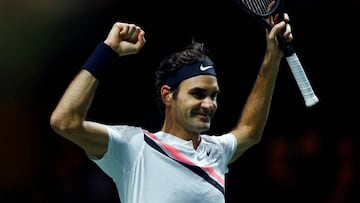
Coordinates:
166	94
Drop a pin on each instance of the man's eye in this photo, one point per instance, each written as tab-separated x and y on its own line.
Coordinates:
199	95
213	97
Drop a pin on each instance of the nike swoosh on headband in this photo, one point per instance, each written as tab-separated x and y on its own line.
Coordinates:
204	68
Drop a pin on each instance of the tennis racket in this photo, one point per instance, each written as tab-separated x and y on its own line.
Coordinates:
263	9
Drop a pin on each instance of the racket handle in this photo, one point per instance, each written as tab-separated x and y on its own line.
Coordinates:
302	81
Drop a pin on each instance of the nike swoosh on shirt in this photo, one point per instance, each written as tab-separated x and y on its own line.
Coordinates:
204	68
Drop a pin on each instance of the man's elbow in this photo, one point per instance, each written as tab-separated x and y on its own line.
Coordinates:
63	124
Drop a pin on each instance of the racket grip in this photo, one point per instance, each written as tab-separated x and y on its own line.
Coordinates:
302	81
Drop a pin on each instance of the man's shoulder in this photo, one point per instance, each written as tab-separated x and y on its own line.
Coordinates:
219	137
125	129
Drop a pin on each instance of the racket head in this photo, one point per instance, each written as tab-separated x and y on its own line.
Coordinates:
261	8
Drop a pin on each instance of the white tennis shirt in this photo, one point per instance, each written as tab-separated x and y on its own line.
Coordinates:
162	168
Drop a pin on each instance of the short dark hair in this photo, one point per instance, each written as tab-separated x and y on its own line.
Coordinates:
193	53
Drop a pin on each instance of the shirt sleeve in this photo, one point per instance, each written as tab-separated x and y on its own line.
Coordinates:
125	145
229	143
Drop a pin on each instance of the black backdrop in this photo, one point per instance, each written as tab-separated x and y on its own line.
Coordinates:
307	154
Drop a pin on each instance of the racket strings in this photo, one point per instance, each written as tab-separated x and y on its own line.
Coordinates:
261	7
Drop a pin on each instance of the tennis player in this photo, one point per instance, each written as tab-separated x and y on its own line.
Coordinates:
180	163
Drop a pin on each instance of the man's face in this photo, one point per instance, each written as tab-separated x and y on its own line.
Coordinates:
196	103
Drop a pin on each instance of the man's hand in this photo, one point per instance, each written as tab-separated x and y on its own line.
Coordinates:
126	38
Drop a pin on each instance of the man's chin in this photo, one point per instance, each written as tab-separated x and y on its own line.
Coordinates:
204	127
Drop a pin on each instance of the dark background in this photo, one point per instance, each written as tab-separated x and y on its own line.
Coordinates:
306	155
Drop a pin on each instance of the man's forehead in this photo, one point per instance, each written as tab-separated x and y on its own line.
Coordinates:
201	81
